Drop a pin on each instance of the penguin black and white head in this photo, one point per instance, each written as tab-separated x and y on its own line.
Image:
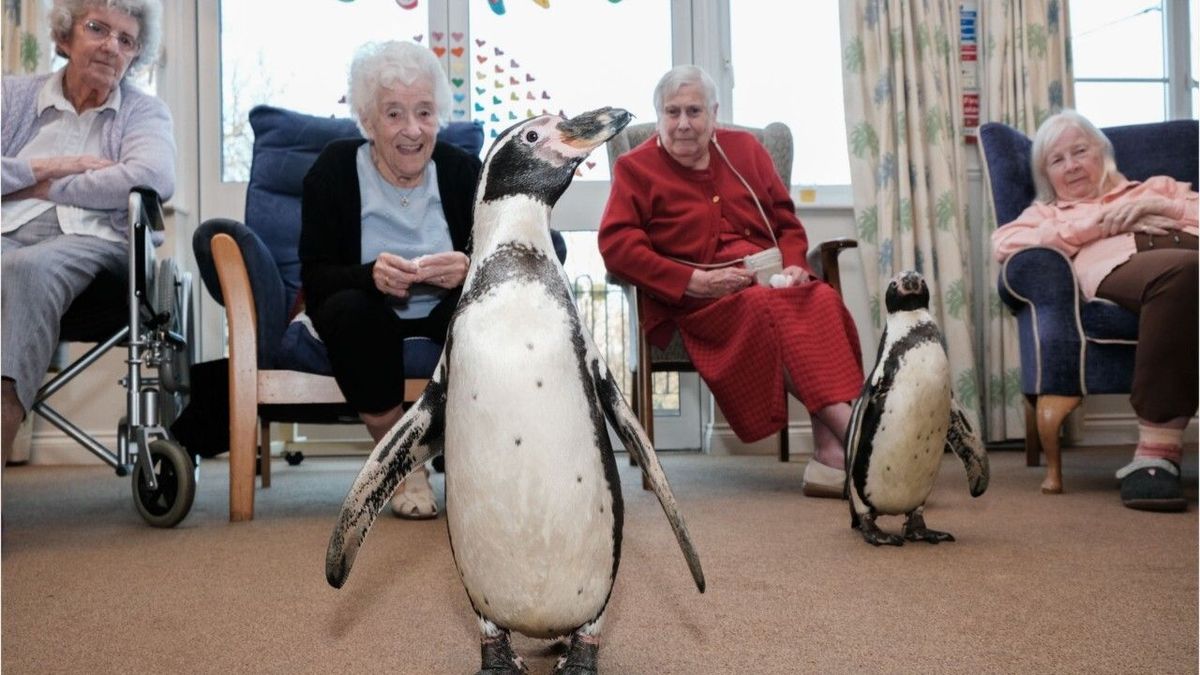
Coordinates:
907	292
537	158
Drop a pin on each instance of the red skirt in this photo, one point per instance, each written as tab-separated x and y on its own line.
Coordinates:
742	343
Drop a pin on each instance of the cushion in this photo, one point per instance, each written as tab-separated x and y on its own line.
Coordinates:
286	143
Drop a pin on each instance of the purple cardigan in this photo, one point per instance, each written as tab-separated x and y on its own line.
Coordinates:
138	137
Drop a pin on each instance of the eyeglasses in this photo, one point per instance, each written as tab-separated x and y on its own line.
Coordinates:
98	31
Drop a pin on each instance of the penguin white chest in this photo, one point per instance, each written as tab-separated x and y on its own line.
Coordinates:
529	504
908	444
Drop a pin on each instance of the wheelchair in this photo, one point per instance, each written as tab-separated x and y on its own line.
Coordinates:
149	314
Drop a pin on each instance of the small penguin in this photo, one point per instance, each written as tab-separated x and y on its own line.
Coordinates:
903	421
518	403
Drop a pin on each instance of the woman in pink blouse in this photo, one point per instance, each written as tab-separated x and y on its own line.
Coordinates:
1134	243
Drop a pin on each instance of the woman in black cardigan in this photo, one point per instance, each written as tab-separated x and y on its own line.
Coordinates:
385	237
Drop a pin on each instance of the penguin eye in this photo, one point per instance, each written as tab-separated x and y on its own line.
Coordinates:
531	136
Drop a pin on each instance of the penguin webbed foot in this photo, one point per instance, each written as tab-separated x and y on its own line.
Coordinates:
915	530
875	536
580	658
499	658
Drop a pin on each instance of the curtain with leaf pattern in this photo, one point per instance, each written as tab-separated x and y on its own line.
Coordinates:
25	44
902	96
1027	77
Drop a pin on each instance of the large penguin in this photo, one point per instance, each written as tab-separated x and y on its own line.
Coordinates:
518	403
904	420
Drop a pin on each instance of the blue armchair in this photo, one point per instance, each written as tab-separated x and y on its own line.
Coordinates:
279	371
1070	348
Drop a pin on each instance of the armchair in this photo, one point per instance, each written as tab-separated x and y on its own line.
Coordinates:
1070	348
277	370
823	260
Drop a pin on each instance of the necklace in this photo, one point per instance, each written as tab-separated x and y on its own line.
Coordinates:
404	201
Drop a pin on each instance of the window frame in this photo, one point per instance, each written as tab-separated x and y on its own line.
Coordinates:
1178	79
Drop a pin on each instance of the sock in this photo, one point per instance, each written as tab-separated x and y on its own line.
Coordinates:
1157	442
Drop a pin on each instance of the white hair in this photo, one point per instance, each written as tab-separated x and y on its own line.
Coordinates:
378	65
681	76
148	14
1049	132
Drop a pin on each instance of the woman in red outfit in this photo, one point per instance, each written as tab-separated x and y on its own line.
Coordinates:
679	220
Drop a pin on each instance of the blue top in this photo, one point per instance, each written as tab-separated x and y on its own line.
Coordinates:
410	231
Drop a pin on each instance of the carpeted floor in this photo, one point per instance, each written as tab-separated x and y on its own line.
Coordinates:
1068	583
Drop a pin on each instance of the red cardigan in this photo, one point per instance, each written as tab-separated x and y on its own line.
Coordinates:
658	208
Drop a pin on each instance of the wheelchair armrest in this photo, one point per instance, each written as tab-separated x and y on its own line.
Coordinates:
150	207
263	288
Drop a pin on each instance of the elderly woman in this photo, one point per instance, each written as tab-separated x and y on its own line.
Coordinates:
385	235
74	142
1133	243
686	207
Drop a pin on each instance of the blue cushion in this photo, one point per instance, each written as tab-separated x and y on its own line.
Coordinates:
286	143
1104	320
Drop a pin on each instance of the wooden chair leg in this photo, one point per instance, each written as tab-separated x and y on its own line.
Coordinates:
785	453
243	427
1051	411
1033	442
264	454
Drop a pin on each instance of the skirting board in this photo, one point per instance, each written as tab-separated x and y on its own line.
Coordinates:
1094	429
719	439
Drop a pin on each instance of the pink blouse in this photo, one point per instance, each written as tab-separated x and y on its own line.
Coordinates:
1074	228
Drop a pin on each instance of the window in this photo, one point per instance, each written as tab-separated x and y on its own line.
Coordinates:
1124	54
532	60
781	56
565	55
269	55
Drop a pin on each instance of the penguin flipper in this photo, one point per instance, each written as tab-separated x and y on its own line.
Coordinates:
853	438
415	438
619	414
962	440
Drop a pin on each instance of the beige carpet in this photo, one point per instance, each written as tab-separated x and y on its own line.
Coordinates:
1069	583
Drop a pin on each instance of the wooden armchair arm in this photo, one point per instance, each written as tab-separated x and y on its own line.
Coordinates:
827	253
243	373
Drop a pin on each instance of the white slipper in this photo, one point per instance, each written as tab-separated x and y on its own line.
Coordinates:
823	481
414	498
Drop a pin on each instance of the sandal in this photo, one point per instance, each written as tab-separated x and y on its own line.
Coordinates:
823	481
414	498
1151	484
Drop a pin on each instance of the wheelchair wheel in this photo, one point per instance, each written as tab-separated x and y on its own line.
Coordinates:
172	296
176	478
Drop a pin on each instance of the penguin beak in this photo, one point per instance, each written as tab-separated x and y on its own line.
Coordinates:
589	130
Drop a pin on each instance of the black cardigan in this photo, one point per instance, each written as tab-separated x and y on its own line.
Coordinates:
331	217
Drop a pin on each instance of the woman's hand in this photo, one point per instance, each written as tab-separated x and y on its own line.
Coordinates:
1148	214
444	270
394	275
719	282
797	275
52	168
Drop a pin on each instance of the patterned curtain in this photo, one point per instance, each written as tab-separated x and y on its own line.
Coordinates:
25	46
901	69
1026	78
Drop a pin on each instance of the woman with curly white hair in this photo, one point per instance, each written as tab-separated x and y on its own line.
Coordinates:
74	142
386	226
